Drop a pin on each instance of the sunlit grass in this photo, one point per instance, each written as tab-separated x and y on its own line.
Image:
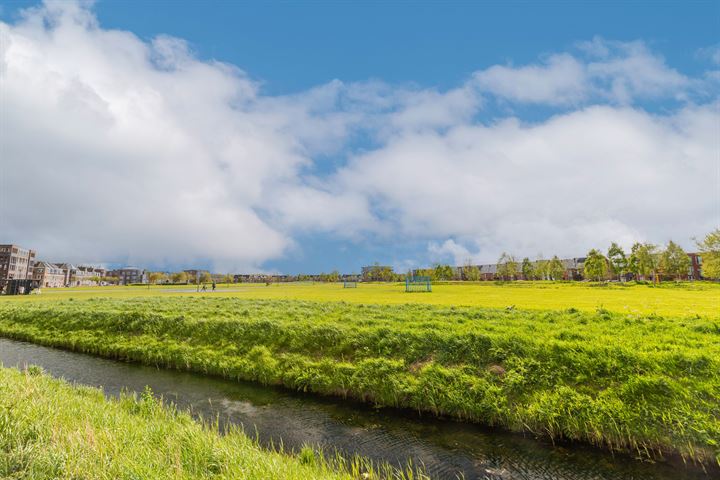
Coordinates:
646	383
50	430
686	299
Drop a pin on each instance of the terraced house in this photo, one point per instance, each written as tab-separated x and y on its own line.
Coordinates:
48	275
77	276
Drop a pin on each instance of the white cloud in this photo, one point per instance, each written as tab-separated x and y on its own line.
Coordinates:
452	251
579	180
560	80
114	148
711	53
617	71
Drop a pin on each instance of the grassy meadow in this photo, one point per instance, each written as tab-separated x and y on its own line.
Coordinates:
645	379
50	430
685	299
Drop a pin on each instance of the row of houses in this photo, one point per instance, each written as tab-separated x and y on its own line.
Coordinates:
20	264
280	278
49	275
572	270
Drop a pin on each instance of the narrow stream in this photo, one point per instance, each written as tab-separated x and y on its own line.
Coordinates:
447	449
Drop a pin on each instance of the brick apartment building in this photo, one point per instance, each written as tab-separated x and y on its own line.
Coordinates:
695	266
16	263
48	275
129	275
81	275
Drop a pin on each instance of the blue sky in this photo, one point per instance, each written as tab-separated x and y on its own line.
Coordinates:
346	133
293	46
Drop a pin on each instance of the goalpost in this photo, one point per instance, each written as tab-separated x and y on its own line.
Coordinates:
349	284
417	283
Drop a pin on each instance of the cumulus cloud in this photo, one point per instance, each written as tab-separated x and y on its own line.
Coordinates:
118	149
579	180
617	71
112	142
560	80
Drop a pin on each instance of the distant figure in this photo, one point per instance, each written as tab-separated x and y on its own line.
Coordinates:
204	289
214	285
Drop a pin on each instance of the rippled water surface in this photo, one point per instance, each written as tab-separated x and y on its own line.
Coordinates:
447	449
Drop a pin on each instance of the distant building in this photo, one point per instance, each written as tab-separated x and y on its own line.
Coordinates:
488	271
81	275
695	266
194	275
16	263
262	278
48	275
573	268
129	275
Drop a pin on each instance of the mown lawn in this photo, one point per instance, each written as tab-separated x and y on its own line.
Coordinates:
685	299
642	382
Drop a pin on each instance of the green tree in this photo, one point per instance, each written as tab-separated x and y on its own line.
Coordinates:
378	273
596	266
179	277
471	272
507	267
674	261
555	269
644	261
157	277
710	254
541	268
443	272
228	278
205	277
527	268
618	260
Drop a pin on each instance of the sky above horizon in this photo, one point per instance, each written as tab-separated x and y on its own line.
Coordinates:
308	137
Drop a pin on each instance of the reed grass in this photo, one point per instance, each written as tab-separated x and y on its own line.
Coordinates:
50	430
644	383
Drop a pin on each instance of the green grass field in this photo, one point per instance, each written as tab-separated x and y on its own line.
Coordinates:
50	430
645	382
686	299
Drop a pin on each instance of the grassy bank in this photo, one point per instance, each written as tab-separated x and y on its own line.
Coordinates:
649	384
679	300
51	430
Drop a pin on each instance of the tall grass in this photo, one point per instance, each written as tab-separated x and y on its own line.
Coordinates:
51	430
644	383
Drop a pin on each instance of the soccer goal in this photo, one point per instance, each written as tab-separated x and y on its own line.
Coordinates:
418	284
349	284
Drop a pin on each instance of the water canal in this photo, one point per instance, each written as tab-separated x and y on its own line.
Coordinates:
446	448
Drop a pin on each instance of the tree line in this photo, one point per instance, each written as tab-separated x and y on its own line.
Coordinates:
644	261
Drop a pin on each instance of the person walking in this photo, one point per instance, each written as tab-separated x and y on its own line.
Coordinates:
214	286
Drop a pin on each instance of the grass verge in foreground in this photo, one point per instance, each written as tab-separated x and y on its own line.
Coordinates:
642	383
51	430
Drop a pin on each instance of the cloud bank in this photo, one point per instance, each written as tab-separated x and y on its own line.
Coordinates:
117	149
